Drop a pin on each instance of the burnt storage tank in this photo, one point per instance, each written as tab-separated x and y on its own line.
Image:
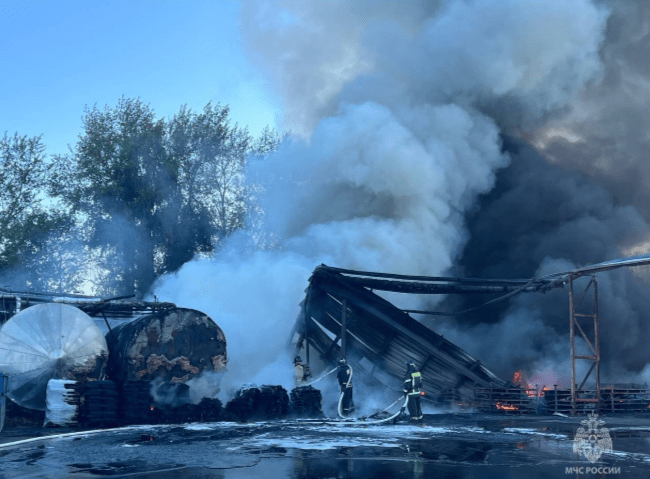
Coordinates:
49	341
174	345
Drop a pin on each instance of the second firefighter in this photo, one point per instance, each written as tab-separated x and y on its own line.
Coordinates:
344	376
413	389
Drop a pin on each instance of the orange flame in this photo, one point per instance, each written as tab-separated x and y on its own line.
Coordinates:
506	407
532	391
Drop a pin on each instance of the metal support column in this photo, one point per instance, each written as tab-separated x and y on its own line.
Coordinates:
344	326
3	393
307	318
574	323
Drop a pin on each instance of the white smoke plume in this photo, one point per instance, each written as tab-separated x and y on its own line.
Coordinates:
399	111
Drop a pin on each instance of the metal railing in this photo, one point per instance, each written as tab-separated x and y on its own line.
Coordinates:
610	399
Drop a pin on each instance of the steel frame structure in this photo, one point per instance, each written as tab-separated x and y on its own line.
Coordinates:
593	344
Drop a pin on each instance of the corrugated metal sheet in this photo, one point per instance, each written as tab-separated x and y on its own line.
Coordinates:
381	338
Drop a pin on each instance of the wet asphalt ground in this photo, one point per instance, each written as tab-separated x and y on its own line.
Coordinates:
446	446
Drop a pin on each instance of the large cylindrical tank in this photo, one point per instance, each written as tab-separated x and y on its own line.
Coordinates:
174	344
49	341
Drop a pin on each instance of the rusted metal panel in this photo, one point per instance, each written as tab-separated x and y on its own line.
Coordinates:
175	345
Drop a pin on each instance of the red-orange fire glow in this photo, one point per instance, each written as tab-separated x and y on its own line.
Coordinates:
532	391
506	407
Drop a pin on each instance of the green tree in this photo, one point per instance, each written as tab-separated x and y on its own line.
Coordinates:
211	159
24	220
114	182
150	194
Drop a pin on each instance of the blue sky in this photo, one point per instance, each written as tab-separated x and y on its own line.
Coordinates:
58	56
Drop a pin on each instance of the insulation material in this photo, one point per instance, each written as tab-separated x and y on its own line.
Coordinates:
49	341
175	345
61	403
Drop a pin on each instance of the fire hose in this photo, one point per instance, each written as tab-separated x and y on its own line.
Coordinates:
385	409
340	404
322	377
401	410
379	421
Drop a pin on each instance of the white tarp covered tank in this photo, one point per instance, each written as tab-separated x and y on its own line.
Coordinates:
49	341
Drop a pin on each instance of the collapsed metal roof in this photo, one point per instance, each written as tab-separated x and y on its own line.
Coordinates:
379	337
342	316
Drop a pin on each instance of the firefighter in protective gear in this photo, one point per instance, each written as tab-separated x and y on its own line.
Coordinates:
298	371
412	389
344	377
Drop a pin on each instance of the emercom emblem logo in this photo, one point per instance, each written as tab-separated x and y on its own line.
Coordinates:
590	441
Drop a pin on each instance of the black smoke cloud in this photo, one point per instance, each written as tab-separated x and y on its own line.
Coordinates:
604	132
575	193
541	219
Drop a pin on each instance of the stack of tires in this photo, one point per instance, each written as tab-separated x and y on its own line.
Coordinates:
306	402
274	402
135	402
99	404
245	405
210	409
184	413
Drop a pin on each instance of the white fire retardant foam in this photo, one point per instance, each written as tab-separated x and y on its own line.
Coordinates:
58	410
